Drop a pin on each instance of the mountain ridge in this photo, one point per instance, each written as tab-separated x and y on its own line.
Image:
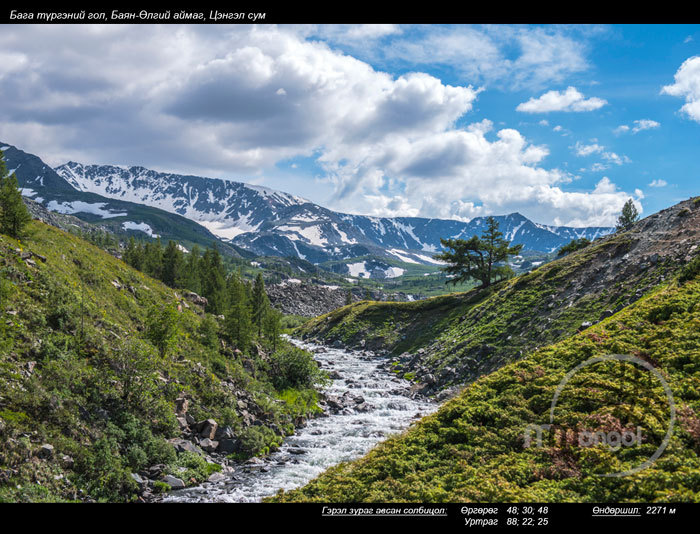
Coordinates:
270	222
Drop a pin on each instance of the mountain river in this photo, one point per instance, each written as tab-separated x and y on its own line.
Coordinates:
324	441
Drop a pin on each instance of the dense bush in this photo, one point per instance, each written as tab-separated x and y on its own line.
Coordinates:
295	368
690	271
573	245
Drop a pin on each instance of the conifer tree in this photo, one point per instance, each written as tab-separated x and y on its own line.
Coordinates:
173	265
193	277
273	326
209	331
13	213
162	328
238	324
153	259
483	259
259	303
628	216
213	279
133	254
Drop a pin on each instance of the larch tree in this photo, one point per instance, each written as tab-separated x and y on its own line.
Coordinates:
484	259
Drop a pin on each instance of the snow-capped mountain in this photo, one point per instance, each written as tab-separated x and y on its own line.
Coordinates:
274	223
42	184
227	208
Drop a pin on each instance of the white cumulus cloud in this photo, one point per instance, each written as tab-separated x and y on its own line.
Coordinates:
570	100
639	125
687	85
236	101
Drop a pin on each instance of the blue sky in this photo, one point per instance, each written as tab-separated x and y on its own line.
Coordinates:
561	123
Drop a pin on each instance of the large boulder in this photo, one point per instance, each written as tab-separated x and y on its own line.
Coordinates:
207	428
208	445
182	445
174	482
229	446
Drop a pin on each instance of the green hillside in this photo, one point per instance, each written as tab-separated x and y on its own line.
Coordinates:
453	339
95	358
472	449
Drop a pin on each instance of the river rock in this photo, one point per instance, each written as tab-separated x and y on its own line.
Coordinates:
229	446
174	482
209	445
215	478
363	407
142	483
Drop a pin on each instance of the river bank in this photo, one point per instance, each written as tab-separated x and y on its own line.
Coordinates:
364	404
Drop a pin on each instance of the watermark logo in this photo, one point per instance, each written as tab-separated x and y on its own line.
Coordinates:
616	439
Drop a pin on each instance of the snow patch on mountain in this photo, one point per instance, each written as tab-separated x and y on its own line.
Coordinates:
143	227
358	270
78	206
222	230
26	192
393	272
401	255
343	236
428	259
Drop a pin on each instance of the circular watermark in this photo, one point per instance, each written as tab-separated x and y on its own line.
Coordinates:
614	439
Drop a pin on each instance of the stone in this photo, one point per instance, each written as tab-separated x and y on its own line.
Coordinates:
45	452
224	432
229	446
606	314
196	299
181	406
215	478
182	445
209	445
155	471
140	481
174	482
207	428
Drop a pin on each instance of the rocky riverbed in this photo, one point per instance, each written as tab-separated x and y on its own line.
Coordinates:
364	404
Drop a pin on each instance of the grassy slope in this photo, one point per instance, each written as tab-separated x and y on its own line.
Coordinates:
65	332
471	334
472	448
